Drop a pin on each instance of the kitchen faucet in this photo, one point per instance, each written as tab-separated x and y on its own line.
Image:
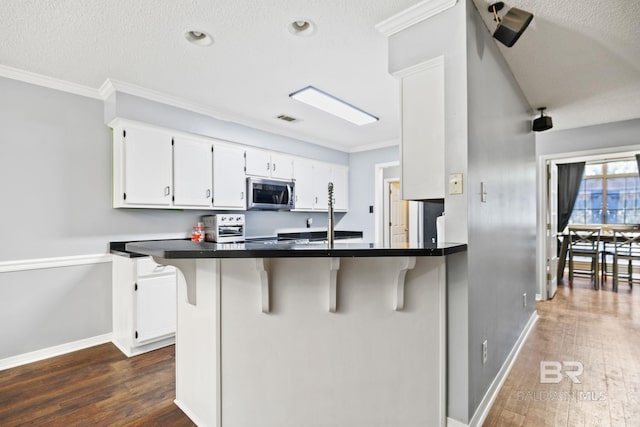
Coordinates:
330	224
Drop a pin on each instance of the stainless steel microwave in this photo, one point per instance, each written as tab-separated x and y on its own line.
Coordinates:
270	194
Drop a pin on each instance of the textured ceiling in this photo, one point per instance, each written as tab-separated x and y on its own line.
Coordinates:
579	58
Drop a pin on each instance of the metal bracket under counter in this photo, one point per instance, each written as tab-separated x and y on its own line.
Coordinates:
263	268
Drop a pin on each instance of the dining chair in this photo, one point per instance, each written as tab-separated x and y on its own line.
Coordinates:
584	244
626	246
607	248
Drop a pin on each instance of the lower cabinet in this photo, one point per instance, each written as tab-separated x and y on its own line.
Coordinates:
144	304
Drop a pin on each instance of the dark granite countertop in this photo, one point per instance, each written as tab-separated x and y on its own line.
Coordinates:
169	249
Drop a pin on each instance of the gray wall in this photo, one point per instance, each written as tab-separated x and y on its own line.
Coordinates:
624	134
55	169
502	231
488	140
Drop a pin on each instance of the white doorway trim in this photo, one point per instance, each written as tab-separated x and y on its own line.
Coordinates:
541	182
378	213
415	207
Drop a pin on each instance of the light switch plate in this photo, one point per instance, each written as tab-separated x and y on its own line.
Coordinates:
455	183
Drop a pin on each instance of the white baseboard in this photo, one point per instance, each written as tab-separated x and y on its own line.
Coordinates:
455	423
45	353
490	396
197	421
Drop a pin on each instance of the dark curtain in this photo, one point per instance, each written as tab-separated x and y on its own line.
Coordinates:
638	161
569	179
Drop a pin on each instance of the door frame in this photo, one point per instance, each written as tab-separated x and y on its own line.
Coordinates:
541	184
415	207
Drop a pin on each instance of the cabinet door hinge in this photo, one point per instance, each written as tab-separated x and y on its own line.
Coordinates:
172	142
136	334
135	287
124	196
124	133
212	148
173	198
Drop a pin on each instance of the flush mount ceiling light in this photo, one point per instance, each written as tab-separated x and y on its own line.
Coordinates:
302	27
333	105
543	122
199	38
512	25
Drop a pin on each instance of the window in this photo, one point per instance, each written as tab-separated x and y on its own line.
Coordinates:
609	194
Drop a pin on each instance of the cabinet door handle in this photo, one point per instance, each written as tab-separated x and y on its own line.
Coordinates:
316	201
167	190
208	193
274	167
267	165
242	195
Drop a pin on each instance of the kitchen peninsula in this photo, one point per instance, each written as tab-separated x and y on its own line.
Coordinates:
293	334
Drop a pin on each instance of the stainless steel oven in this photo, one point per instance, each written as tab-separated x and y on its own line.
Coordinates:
270	194
224	228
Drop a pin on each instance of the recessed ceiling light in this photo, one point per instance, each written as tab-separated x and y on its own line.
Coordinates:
199	38
333	105
302	27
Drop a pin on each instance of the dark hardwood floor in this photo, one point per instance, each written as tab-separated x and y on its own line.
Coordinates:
98	386
601	330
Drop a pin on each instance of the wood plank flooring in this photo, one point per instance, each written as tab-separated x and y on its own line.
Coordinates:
98	386
601	330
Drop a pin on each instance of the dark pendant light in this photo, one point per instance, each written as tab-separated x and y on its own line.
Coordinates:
543	122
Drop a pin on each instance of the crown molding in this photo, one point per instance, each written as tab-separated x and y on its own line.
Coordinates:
438	61
413	15
374	146
111	86
49	82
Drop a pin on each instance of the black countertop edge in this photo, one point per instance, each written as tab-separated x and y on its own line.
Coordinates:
182	249
118	248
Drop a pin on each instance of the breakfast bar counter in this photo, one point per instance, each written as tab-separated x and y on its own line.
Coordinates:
300	333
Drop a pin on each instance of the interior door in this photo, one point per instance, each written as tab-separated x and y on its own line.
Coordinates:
552	230
399	215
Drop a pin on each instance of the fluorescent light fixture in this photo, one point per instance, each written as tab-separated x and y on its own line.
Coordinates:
332	105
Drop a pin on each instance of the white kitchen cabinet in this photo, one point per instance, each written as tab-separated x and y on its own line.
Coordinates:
303	175
144	304
192	172
321	179
268	164
229	182
340	179
312	181
422	145
161	168
142	167
281	166
257	163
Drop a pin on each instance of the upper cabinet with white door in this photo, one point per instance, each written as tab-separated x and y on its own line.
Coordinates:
229	182
312	185
268	164
142	167
192	172
422	146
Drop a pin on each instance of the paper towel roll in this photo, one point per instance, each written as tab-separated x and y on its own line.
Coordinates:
440	230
